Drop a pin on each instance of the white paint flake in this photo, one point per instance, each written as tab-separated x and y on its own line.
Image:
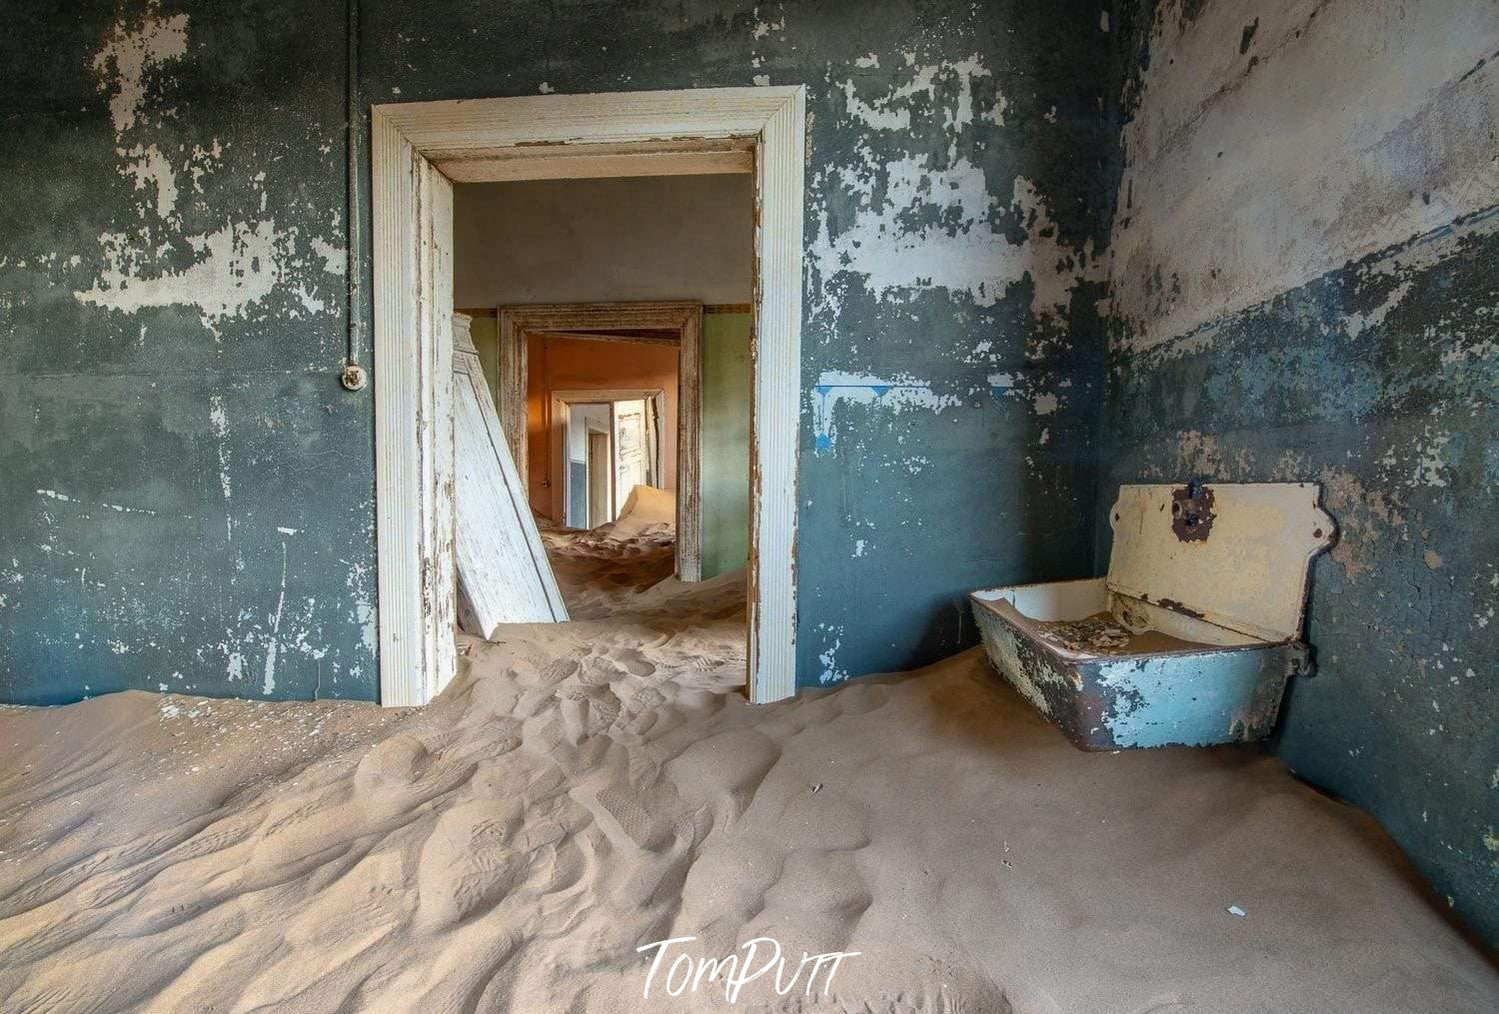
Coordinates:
268	684
335	258
238	265
218	423
1430	464
152	171
222	272
127	55
831	671
1357	323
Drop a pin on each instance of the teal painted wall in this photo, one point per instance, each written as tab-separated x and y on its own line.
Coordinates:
725	441
186	492
1317	303
189	493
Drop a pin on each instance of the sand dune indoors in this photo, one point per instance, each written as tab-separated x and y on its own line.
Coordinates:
582	790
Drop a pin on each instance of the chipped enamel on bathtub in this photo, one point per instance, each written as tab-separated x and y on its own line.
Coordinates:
1190	639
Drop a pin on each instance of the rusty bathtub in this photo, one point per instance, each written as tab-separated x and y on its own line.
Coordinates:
1192	635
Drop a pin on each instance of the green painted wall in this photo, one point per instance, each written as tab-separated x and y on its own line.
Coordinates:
725	441
485	333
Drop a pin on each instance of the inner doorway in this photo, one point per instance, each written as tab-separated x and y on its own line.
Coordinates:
600	344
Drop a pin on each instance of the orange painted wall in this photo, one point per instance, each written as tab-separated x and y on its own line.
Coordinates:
566	364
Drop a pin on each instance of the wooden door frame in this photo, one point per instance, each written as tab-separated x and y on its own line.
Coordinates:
416	149
577	321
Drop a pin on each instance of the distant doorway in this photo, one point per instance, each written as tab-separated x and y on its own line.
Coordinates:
599	483
610	442
675	324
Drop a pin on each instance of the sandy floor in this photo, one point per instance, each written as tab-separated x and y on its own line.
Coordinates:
583	790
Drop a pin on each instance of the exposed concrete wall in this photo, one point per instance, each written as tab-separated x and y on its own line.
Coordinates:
604	241
1305	280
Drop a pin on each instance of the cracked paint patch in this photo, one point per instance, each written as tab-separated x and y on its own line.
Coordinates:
911	222
130	53
832	639
236	267
960	250
222	272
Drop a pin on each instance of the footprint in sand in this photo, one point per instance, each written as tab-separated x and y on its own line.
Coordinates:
628	824
467	863
632	661
599	671
556	671
723	772
586	710
399	760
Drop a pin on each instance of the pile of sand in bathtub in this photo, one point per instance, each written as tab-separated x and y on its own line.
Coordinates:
579	791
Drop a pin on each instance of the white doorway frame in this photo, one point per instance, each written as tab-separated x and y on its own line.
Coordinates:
417	149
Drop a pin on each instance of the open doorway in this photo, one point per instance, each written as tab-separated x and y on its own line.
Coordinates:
600	387
612	442
676	233
418	151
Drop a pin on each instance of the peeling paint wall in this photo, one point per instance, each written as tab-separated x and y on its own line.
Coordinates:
187	502
1304	275
951	364
172	303
952	235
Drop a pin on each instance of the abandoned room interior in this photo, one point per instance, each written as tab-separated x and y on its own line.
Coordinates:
896	506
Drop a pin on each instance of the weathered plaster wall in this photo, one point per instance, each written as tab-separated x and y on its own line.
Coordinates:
186	500
951	357
604	241
1305	279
